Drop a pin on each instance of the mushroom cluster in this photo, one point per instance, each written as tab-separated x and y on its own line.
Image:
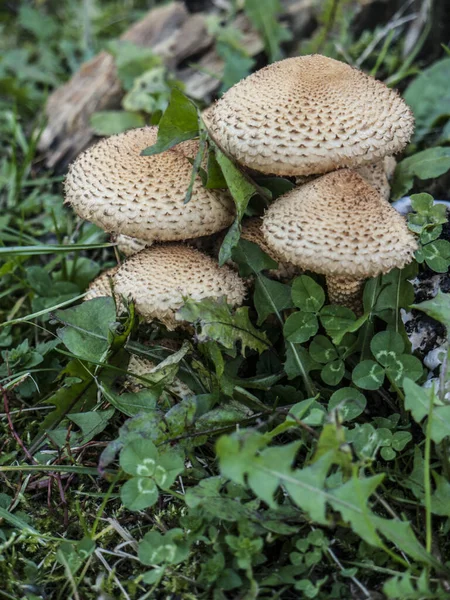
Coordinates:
334	129
329	126
141	200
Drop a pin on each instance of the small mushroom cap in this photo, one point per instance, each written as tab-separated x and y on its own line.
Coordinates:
338	224
309	115
101	286
159	277
119	190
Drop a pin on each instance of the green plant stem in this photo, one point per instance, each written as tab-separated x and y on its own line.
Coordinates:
426	477
311	390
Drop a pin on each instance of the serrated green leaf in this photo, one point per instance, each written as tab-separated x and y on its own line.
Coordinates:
438	308
215	321
417	400
352	501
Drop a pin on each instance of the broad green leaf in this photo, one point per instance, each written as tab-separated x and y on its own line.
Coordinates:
242	190
270	297
298	362
307	294
215	321
237	64
139	457
349	402
368	375
131	60
429	97
440	504
86	327
251	259
300	327
131	404
428	164
178	124
91	423
138	493
438	308
110	122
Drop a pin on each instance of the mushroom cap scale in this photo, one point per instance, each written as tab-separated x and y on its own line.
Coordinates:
338	224
119	190
309	115
158	279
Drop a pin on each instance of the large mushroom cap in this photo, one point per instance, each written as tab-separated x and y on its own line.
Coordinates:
309	115
339	225
116	188
160	277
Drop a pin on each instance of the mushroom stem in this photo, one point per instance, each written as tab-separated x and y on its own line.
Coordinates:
346	292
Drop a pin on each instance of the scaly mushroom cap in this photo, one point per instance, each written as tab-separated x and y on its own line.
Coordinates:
158	278
251	231
375	174
101	286
338	224
309	115
119	190
129	245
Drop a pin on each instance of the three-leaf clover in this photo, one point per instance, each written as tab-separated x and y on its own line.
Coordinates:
388	349
150	470
323	351
427	221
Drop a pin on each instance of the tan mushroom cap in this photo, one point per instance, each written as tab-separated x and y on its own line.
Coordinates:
119	190
101	285
158	278
308	115
339	225
129	245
